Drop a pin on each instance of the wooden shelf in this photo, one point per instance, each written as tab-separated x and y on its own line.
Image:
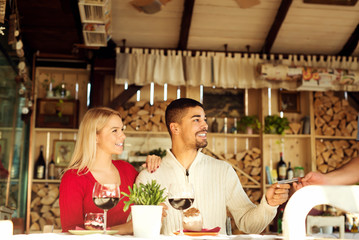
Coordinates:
335	137
146	133
233	135
287	136
69	130
11	180
251	186
46	181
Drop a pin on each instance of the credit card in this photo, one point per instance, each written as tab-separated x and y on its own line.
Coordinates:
288	181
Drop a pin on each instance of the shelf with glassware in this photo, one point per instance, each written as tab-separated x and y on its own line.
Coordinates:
60	103
287	114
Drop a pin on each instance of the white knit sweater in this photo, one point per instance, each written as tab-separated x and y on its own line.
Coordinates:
216	187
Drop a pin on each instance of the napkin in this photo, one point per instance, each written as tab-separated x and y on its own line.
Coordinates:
216	229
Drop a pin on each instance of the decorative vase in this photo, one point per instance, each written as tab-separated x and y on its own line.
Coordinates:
249	130
146	220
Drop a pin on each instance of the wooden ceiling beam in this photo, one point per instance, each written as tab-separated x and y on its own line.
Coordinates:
351	44
185	24
278	21
123	97
74	8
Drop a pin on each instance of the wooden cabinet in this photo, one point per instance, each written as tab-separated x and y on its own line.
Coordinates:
55	119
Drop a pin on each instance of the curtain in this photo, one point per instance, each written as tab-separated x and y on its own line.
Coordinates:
216	69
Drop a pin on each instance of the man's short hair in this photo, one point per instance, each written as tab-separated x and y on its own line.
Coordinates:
177	109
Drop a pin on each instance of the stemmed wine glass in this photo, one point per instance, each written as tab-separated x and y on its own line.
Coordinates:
106	196
181	197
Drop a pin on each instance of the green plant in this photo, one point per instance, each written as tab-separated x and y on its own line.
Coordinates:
145	194
275	124
248	121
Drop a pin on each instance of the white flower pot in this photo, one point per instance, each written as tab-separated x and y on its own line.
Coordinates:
146	220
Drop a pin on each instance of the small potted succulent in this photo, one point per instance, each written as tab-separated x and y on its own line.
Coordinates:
248	124
146	211
275	124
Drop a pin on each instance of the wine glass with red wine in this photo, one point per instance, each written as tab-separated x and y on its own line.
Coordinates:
106	196
181	197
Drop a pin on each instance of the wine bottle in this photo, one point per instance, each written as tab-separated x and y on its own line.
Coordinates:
290	172
40	165
280	220
52	168
214	125
281	168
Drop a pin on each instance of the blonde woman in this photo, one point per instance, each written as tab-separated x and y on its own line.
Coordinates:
100	135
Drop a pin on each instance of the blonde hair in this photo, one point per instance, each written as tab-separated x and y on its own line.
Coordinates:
92	123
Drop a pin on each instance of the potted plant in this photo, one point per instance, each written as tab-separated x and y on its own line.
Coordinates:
274	124
146	211
248	123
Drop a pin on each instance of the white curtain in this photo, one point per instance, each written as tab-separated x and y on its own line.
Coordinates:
216	69
168	69
122	66
198	69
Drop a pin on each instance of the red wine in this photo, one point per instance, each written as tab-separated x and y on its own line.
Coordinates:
181	203
106	203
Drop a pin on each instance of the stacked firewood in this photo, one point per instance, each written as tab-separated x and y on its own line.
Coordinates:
141	116
334	154
45	208
248	166
334	116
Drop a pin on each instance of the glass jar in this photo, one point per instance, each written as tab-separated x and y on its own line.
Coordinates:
299	172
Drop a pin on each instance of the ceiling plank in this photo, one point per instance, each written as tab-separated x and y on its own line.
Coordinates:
351	44
185	24
278	21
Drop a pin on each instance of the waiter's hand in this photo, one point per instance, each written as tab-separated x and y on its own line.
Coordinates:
152	163
277	194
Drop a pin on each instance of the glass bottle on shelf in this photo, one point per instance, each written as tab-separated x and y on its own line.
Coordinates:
290	172
63	90
40	165
214	127
52	168
281	168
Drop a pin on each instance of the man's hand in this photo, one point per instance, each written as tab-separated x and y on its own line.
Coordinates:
312	178
152	163
277	194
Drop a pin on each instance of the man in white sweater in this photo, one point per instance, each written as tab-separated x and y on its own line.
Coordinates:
216	185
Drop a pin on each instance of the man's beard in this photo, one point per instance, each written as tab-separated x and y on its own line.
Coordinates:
201	144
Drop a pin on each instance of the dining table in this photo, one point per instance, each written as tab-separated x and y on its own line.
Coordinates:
68	236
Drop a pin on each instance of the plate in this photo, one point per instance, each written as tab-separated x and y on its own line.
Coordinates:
193	234
85	232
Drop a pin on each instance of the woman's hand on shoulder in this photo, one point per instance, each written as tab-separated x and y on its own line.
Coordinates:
152	163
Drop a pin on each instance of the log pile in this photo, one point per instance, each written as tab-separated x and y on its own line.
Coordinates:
141	116
248	166
45	209
334	116
332	154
